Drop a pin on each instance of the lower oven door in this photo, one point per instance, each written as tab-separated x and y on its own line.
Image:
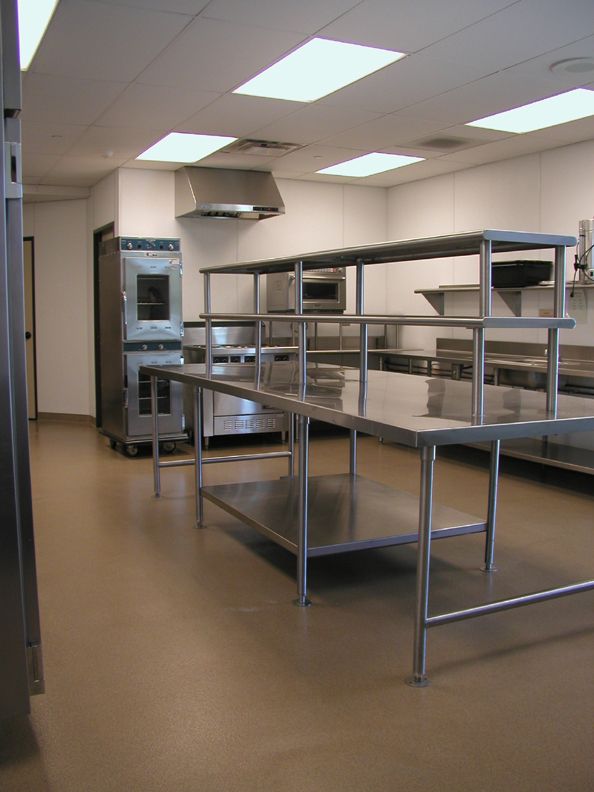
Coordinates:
139	414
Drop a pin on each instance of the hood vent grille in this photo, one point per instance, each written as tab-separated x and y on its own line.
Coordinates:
221	193
261	148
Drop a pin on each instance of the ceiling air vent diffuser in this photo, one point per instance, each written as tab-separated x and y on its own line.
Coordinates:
262	148
443	143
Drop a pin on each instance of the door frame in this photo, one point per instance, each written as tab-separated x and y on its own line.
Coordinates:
99	235
34	324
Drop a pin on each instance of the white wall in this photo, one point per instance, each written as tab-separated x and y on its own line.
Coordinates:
141	203
318	216
62	289
548	192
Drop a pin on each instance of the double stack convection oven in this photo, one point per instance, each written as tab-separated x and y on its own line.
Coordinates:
140	324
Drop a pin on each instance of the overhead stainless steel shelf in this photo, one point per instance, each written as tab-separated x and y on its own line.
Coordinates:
403	250
470	322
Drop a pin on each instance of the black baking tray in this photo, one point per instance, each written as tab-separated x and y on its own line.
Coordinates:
520	273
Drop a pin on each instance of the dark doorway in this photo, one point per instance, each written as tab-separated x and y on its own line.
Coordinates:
100	235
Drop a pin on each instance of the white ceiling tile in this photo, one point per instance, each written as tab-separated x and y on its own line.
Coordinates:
313	123
236	115
573	132
540	65
122	142
156	106
212	55
404	83
524	30
148	165
35	166
484	97
50	138
306	16
502	149
190	7
66	100
408	25
414	172
313	158
386	132
35	193
479	57
80	171
102	42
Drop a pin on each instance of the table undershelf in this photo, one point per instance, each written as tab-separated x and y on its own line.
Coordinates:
346	513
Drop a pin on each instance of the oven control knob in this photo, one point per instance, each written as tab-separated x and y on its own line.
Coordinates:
170	246
129	245
160	346
144	347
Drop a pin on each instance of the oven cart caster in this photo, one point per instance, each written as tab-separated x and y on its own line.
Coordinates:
168	447
131	450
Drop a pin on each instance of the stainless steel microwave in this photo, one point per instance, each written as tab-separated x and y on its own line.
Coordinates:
323	290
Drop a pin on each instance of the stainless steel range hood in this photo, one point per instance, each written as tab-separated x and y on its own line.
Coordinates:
217	192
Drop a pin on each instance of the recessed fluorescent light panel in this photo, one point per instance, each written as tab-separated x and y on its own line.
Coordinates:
184	147
549	112
369	164
34	17
317	69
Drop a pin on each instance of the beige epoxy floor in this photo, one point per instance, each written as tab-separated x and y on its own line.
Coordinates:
175	659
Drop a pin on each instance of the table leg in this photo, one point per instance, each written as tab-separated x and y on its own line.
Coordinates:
198	452
302	543
419	677
353	452
492	508
291	463
155	415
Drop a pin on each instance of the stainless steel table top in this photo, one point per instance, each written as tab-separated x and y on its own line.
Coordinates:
413	410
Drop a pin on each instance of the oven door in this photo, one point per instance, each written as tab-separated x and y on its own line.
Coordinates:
324	291
139	414
152	308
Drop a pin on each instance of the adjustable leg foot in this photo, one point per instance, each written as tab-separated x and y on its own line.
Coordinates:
489	568
419	681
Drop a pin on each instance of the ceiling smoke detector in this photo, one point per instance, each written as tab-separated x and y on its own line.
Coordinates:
573	66
262	148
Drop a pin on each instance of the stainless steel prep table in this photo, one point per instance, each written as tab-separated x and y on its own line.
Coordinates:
419	412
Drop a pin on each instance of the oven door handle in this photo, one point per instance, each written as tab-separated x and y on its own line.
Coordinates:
331	277
125	312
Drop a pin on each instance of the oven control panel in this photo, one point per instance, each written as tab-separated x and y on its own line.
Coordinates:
143	243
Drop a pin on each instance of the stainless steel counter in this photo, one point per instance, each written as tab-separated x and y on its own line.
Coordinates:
414	411
334	514
419	412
